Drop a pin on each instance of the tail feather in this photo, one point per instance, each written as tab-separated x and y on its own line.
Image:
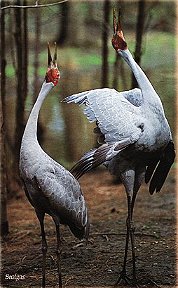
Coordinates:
162	169
150	169
84	164
80	233
90	160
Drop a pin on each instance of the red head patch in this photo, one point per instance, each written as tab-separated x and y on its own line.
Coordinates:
118	40
52	74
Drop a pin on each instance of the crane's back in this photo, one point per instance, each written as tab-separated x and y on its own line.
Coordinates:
52	189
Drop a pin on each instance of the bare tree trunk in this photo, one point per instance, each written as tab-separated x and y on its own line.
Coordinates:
4	220
25	53
20	101
3	186
22	62
36	82
105	66
63	33
119	71
139	35
75	25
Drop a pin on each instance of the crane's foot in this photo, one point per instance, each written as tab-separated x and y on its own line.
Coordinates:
123	278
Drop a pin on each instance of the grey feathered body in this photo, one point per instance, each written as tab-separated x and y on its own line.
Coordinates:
122	121
135	132
49	187
134	136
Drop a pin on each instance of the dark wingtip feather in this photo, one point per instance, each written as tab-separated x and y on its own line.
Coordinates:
83	165
162	170
150	169
90	160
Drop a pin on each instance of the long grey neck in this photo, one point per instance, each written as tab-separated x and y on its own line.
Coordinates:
30	132
148	92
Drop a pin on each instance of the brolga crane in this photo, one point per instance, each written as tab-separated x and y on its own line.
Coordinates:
136	139
49	187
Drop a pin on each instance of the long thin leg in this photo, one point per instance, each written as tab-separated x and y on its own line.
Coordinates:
58	250
128	181
138	180
132	238
132	182
140	174
131	229
123	275
44	247
126	250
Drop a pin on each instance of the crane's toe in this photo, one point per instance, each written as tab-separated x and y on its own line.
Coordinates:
123	278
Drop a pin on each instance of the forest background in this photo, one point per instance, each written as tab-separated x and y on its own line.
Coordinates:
86	60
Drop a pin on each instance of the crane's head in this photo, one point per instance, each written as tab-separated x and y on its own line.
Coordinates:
52	74
118	40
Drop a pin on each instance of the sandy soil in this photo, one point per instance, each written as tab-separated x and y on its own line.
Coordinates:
98	264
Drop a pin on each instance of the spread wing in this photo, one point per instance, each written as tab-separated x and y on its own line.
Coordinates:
134	96
158	170
117	118
118	122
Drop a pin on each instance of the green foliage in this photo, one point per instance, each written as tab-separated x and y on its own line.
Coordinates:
10	71
159	49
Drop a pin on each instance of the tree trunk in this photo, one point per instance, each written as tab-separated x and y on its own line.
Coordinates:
120	78
64	19
25	52
139	35
19	94
116	72
105	66
22	62
75	25
36	82
4	220
3	187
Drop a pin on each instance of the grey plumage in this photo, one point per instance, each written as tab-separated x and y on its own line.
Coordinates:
49	187
126	122
136	138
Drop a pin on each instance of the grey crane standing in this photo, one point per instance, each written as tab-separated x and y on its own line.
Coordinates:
137	141
49	187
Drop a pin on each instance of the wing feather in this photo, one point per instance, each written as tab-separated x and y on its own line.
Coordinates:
150	169
96	157
117	118
134	96
162	169
89	161
65	198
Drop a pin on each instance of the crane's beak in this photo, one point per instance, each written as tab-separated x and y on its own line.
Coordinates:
118	40
52	62
52	74
114	21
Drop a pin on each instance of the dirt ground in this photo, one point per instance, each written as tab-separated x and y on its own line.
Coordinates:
98	264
